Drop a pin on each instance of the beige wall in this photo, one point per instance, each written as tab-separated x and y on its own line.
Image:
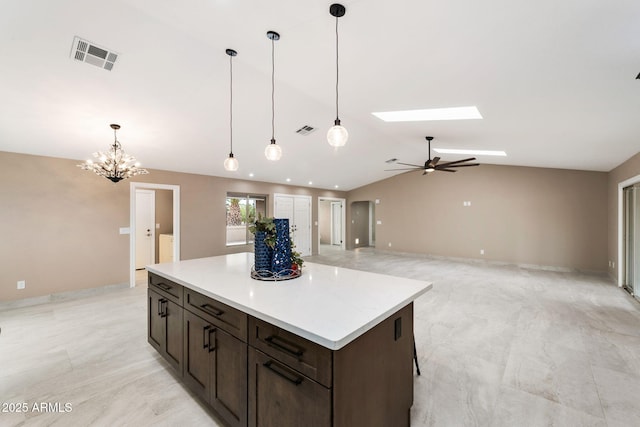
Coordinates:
543	217
60	224
627	170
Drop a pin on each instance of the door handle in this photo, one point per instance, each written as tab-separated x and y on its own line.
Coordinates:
212	347
163	307
205	336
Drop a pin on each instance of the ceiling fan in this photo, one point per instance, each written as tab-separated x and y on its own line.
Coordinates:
434	165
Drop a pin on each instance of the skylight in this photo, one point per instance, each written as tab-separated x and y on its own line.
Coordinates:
472	152
454	113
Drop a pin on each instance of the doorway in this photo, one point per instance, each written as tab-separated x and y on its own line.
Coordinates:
631	239
331	224
133	223
363	224
145	228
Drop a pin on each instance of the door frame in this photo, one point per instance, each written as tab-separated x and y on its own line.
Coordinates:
344	218
621	261
153	228
133	186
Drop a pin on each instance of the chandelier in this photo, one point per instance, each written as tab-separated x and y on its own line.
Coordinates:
115	164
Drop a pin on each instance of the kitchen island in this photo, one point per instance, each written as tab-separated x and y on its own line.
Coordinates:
333	347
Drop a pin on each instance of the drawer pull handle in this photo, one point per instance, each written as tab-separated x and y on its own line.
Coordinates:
297	380
283	345
168	289
163	286
211	309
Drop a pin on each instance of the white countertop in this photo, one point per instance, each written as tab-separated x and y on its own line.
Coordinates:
330	306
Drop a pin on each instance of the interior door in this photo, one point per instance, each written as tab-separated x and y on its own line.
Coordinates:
336	223
145	228
298	210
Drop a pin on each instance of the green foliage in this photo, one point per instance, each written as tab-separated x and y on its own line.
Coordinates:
267	225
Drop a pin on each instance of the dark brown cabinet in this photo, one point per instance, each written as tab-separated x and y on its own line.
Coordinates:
253	373
165	327
280	396
215	368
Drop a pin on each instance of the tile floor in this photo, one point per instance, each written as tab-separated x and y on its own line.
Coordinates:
497	345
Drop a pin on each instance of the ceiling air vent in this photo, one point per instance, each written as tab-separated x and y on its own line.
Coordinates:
86	51
305	130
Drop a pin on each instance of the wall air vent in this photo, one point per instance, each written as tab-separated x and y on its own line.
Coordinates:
305	130
86	51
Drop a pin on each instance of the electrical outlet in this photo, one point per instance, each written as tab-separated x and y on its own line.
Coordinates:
481	251
389	244
22	284
613	264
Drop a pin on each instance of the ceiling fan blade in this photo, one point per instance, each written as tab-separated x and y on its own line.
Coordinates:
405	169
435	161
460	166
457	161
409	164
446	170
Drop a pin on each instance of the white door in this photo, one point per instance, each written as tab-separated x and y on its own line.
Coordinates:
297	209
145	228
336	223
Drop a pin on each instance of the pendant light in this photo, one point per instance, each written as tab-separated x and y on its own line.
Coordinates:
273	150
115	164
231	163
337	135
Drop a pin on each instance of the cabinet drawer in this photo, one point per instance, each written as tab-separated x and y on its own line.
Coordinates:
166	288
280	396
221	315
306	357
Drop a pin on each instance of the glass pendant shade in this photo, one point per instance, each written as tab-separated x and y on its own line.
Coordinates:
231	163
273	151
337	135
115	164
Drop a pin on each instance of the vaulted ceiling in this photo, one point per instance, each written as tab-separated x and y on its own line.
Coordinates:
554	81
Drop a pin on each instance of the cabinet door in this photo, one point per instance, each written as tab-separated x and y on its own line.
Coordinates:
173	338
282	397
229	382
155	322
197	372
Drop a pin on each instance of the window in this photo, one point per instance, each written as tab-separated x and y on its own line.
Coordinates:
242	211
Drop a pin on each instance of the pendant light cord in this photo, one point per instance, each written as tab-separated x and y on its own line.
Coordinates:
337	70
273	84
231	103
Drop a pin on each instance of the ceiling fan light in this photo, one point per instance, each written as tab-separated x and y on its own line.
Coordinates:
429	170
231	163
337	136
273	151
